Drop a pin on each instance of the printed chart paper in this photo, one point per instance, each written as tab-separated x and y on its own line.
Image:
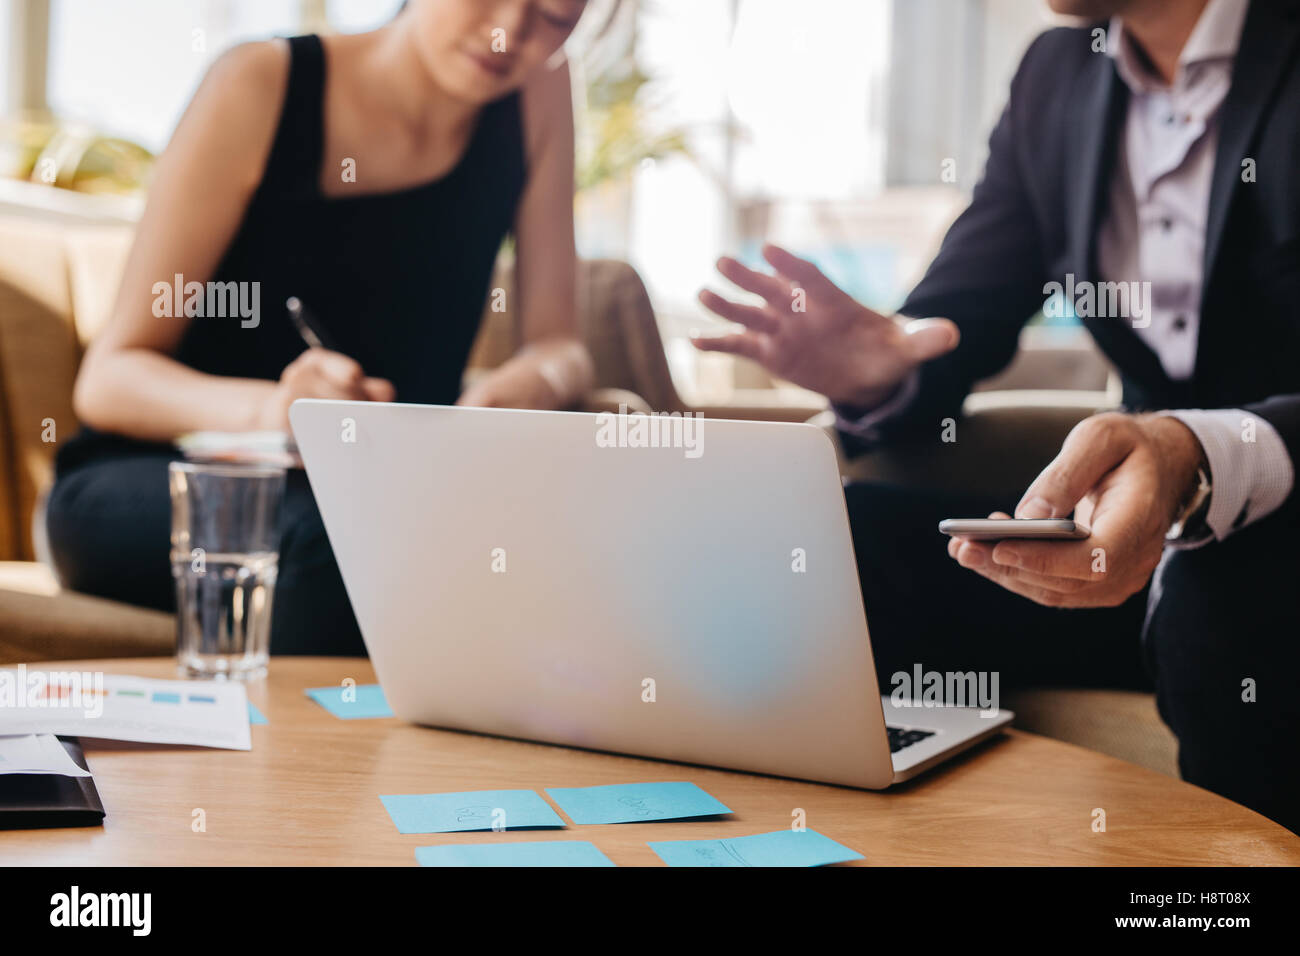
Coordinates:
118	707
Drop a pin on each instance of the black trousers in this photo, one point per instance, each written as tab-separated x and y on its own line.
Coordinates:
109	525
1221	641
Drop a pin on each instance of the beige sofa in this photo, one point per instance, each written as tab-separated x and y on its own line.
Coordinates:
57	282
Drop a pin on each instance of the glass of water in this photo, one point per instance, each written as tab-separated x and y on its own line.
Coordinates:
225	556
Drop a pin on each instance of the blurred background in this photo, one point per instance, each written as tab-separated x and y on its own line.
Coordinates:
850	130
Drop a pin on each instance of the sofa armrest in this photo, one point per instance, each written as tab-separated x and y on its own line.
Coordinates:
756	413
1122	723
70	626
1001	444
785	404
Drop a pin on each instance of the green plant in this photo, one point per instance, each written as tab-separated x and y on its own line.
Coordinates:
71	156
614	136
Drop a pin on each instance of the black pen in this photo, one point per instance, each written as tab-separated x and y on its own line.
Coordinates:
301	318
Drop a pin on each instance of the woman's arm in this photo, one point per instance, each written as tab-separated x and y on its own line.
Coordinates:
128	382
553	368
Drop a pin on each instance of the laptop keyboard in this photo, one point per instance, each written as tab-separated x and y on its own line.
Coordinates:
900	738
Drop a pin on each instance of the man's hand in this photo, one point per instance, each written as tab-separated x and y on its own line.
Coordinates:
812	333
1125	477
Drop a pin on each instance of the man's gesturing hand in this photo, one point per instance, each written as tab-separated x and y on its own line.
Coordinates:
1125	477
812	333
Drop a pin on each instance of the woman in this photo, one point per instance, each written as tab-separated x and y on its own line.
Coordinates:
373	176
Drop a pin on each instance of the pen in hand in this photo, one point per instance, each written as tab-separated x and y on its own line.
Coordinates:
302	320
323	370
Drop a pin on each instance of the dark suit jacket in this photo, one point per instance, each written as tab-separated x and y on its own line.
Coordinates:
1035	214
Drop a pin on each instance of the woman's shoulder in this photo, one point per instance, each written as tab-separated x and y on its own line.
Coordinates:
245	86
255	66
233	116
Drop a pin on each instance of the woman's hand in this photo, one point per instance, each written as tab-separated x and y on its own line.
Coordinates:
319	373
546	375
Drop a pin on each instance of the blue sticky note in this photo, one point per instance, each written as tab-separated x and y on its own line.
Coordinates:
549	853
635	802
782	848
369	701
255	716
476	810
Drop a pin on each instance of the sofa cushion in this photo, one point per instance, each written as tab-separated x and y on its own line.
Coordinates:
69	626
96	258
30	577
38	365
1121	723
616	321
57	286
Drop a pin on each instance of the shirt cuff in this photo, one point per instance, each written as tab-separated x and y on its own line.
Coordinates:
1250	468
865	426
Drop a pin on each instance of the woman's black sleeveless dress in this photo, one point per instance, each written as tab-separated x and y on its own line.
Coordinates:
397	280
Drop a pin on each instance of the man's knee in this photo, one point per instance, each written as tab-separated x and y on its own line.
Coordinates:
1222	641
1225	614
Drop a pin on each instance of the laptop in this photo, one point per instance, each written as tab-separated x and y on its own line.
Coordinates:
671	587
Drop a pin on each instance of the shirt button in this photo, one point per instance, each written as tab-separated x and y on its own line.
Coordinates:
1180	323
1166	224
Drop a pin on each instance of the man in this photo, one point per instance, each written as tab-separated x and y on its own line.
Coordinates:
1162	147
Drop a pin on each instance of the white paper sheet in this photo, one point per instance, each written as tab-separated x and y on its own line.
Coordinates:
37	753
117	707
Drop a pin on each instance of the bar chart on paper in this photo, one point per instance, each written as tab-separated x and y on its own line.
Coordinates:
119	707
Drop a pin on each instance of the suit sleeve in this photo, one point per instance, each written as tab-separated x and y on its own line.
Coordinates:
1249	465
1283	413
988	278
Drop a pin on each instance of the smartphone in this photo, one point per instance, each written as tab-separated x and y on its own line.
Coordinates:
1042	529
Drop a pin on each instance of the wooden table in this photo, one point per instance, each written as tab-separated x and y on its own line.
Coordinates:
308	793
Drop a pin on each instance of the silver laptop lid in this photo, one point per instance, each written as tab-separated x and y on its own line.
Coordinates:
555	576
